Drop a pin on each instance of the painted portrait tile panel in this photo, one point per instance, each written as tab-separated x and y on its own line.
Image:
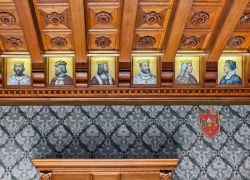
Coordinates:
18	71
103	71
145	70
187	71
230	70
60	71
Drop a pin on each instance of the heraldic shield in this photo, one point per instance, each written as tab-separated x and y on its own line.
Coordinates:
209	123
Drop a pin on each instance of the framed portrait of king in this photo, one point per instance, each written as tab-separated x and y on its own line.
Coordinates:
188	71
60	71
18	72
103	71
146	71
230	71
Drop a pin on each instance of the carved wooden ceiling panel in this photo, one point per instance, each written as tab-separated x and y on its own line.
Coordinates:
123	26
11	33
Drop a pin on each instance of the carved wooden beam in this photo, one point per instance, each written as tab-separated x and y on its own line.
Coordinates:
226	28
78	27
127	29
25	15
181	15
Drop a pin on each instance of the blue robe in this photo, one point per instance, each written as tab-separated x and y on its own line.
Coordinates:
234	79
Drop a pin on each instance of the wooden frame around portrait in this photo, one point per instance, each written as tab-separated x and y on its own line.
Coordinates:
202	70
158	72
47	70
244	72
5	73
116	71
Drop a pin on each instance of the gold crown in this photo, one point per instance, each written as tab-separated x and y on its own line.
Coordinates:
102	61
186	61
143	61
19	61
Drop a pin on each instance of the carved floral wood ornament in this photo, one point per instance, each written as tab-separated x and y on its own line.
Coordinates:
102	42
191	42
103	17
245	19
58	42
7	18
235	41
14	43
200	18
152	18
54	18
147	41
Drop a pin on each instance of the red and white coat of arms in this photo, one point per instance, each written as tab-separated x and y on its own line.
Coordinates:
209	123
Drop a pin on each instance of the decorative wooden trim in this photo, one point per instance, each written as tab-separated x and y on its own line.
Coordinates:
127	29
78	27
44	175
220	39
181	16
28	26
91	168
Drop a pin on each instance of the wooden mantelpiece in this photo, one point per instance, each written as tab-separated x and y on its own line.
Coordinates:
109	169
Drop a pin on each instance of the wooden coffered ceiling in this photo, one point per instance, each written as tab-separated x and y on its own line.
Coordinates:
124	26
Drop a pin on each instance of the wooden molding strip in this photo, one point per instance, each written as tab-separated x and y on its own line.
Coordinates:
30	34
127	29
221	37
78	27
181	15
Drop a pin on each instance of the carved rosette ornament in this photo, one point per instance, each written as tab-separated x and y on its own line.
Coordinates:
199	18
235	41
45	175
166	175
7	18
191	42
245	19
58	42
54	18
14	43
147	41
152	18
102	42
103	17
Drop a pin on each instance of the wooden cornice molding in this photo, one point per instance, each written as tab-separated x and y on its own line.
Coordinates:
225	29
181	15
78	27
127	29
28	26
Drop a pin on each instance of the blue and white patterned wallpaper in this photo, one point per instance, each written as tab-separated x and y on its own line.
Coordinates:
125	132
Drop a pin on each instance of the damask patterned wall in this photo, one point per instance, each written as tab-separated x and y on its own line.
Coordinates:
125	132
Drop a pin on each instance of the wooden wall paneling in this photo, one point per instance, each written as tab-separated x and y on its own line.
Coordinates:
129	13
78	26
230	16
28	26
181	16
103	40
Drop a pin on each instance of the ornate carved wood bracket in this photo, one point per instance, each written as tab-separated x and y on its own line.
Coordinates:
46	175
166	175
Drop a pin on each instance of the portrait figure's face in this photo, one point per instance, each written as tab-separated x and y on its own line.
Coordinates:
145	67
190	68
19	69
106	68
226	68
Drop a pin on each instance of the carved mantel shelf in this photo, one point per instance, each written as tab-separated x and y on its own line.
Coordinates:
126	95
110	169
